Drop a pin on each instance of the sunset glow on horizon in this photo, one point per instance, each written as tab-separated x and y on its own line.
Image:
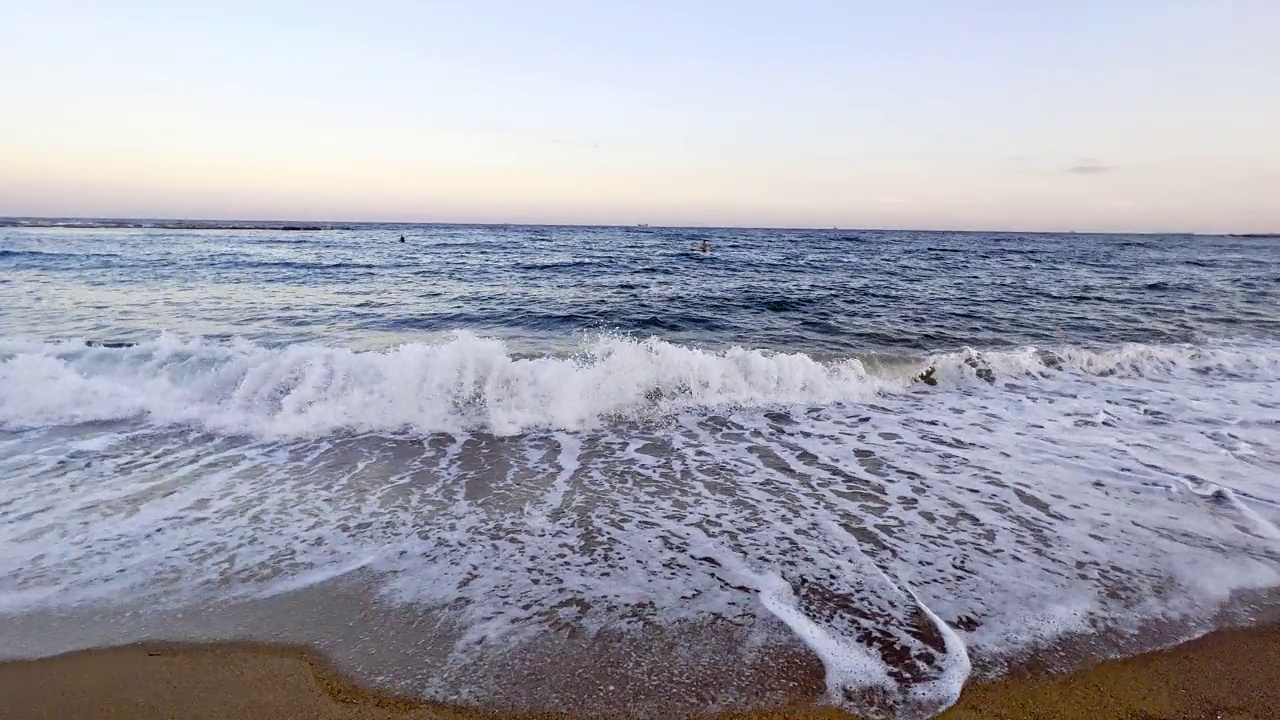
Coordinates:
1154	116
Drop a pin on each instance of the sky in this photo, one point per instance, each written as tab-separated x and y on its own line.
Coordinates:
1092	115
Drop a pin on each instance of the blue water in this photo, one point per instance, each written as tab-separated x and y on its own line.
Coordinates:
833	292
595	469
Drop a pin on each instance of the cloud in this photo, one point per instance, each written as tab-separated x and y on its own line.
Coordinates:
1090	166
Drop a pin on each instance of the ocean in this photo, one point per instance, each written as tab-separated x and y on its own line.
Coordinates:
596	469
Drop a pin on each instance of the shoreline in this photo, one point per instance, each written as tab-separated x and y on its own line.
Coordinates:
1230	674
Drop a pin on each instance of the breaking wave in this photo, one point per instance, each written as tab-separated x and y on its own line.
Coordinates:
469	382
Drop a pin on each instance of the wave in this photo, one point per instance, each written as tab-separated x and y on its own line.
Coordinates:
557	265
43	254
467	382
292	265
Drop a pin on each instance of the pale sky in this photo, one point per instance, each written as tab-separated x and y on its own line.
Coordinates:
1138	115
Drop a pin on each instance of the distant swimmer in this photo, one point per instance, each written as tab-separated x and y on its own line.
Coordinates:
706	247
401	238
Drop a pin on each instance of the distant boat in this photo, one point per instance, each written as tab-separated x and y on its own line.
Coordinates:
643	225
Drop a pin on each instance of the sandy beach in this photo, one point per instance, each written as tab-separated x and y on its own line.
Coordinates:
1228	675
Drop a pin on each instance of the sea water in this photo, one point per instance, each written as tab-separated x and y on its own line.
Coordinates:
905	454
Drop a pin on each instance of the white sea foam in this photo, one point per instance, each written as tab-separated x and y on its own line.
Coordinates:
934	696
850	666
474	383
894	527
468	382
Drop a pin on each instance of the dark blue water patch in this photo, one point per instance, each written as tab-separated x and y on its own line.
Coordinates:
288	265
42	256
1164	286
444	320
539	320
782	305
568	265
1001	252
285	241
453	245
657	323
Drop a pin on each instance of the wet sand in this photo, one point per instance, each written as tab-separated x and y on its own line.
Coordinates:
1229	675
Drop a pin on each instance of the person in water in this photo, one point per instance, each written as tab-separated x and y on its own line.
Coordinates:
706	247
401	238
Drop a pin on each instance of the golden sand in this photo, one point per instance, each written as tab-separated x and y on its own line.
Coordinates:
1229	675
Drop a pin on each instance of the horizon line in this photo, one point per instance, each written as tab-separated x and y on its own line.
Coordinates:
7	219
